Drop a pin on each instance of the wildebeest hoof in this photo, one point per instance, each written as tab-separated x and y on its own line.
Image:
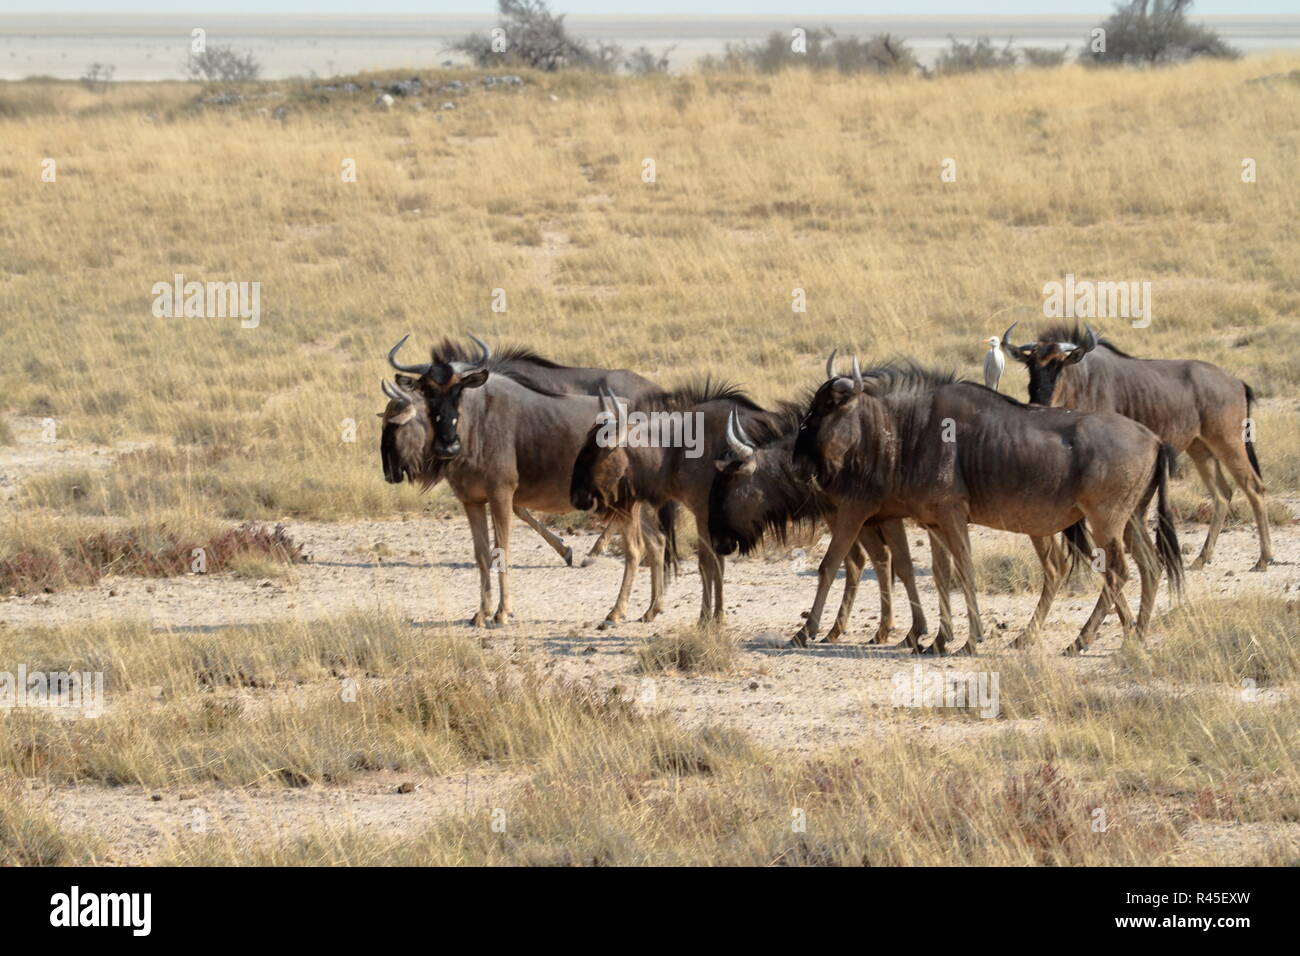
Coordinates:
588	561
649	616
881	636
1199	563
800	638
478	620
568	556
1025	639
1075	649
500	619
1262	564
967	649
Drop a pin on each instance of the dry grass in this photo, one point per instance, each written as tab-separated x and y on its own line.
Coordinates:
688	649
693	272
764	185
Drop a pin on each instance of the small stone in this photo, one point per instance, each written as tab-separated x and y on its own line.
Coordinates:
406	787
753	685
155	797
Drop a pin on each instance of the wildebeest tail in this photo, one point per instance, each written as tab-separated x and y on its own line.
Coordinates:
1250	445
668	522
1171	555
1078	544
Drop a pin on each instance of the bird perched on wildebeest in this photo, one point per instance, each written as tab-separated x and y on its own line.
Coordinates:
994	362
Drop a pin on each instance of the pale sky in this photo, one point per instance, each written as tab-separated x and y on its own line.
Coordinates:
800	8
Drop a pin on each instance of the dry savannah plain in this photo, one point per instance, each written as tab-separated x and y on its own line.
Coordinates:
340	710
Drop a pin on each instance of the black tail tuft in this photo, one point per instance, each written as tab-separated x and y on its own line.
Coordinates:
1250	445
668	521
1171	555
1078	544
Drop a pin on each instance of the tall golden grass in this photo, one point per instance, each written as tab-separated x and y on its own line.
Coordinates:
763	185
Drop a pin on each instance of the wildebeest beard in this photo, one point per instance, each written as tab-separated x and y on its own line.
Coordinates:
788	502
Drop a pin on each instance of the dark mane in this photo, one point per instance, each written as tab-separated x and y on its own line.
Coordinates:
449	351
1075	335
697	392
906	376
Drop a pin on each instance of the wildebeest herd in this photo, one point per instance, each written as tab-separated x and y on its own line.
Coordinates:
1075	469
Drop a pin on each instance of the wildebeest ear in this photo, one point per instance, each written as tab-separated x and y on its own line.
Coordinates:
474	379
407	382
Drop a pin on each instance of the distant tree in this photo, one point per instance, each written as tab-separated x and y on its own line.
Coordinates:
1153	32
97	77
223	64
530	35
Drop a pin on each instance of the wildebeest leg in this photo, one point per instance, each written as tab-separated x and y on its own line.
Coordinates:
478	529
1144	554
631	528
598	548
1112	590
941	565
853	565
895	535
1233	457
655	546
956	534
502	505
1206	467
844	534
549	536
1056	565
711	569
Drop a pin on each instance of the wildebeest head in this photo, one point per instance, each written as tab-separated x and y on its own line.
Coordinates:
406	439
441	385
756	492
816	450
601	473
1045	361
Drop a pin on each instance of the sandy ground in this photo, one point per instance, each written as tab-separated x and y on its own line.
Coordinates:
794	699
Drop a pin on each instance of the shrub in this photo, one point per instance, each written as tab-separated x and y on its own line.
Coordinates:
972	57
1153	32
223	64
823	50
537	38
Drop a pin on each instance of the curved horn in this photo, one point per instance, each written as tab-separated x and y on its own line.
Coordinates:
1077	353
392	359
830	365
483	347
391	391
857	375
740	431
743	449
1017	352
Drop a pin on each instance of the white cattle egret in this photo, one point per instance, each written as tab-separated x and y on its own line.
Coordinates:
994	363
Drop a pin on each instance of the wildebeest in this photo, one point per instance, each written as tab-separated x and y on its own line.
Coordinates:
904	442
1192	406
565	379
502	441
758	491
659	473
